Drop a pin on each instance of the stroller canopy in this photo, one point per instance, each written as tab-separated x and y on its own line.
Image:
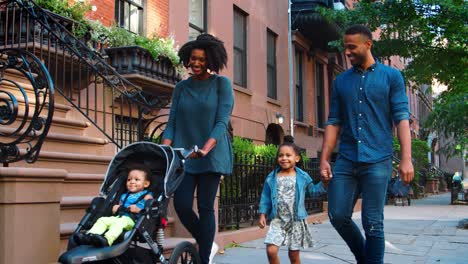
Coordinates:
164	164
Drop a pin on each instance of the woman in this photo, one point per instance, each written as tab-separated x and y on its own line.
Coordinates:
200	112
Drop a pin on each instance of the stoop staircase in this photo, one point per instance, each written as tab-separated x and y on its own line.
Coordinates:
95	113
72	146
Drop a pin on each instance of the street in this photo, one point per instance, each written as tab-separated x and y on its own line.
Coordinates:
425	232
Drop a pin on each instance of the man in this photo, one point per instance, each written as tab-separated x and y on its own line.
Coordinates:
457	181
366	100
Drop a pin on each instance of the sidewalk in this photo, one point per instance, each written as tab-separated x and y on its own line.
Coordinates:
425	232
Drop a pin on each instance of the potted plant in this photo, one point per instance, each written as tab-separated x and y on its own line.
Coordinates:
128	53
432	180
20	26
72	16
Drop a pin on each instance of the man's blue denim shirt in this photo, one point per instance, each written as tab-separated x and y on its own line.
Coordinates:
364	104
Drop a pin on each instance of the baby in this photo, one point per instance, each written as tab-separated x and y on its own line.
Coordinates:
107	229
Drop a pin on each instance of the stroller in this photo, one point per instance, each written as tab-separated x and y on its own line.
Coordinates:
144	243
398	192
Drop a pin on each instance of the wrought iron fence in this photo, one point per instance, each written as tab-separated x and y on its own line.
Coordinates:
25	113
240	192
82	76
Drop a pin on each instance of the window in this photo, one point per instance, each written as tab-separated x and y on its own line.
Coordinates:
271	64
299	86
320	92
129	15
197	18
240	47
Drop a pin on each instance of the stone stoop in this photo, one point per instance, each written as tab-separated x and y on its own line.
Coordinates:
73	146
68	147
30	214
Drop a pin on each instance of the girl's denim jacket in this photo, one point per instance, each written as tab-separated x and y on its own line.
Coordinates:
304	184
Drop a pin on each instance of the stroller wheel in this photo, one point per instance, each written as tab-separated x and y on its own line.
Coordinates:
184	253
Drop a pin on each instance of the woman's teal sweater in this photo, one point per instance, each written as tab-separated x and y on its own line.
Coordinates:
200	110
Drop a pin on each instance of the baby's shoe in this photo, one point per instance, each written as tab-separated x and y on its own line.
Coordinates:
81	239
98	241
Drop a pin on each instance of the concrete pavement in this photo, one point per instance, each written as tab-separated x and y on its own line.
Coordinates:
425	232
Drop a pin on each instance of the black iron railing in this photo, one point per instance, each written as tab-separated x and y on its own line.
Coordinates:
240	193
25	112
108	100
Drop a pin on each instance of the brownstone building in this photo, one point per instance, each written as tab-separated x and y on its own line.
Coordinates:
41	203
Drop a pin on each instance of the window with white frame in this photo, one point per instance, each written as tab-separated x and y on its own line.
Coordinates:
197	18
129	15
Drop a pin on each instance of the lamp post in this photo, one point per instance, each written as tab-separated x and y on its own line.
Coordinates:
291	82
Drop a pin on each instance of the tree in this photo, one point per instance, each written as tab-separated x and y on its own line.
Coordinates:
432	36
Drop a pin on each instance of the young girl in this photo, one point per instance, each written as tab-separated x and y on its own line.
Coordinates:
282	201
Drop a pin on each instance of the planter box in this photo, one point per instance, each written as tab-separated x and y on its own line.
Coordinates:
137	60
432	186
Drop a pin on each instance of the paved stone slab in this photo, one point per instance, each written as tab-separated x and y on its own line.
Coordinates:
424	233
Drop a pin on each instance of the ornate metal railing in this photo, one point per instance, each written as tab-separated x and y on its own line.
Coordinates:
240	192
26	111
122	111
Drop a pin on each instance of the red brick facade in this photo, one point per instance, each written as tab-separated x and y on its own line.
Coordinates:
156	15
105	11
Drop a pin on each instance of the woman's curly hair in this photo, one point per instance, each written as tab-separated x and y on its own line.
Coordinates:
215	52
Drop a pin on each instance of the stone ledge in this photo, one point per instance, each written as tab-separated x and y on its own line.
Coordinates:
31	173
30	185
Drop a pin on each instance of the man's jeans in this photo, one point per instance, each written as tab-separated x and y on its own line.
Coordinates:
349	180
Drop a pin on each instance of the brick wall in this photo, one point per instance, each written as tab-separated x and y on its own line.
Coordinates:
105	11
157	15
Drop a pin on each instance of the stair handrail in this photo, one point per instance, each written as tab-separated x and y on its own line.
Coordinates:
24	142
76	45
145	101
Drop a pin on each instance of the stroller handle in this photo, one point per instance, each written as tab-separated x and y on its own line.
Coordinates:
185	153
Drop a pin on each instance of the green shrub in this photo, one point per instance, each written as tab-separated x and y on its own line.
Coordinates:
74	11
242	146
266	151
115	36
419	151
119	37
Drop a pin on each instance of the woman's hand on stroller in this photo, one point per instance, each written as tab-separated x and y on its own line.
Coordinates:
200	153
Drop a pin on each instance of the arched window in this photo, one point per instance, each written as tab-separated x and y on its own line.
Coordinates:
274	134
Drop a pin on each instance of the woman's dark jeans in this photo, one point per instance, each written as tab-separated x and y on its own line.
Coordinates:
203	226
370	180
